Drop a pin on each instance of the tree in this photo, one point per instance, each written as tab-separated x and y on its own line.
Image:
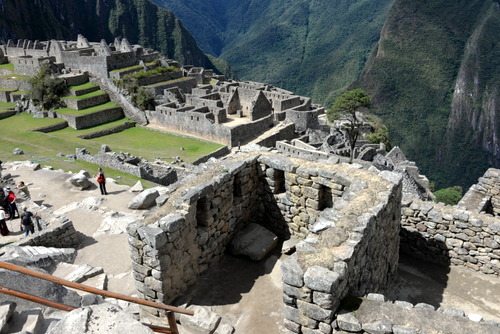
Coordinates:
348	105
46	89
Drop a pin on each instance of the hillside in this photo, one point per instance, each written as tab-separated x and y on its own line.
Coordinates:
312	48
140	21
434	79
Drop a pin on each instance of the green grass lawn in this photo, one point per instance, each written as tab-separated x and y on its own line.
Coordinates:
8	66
86	96
15	76
44	147
6	106
86	85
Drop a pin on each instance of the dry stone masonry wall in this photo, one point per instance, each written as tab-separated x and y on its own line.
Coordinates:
447	234
318	203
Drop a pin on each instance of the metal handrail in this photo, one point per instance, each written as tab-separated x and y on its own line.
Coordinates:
50	278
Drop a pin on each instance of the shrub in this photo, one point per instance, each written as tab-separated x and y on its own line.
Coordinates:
46	89
449	196
143	99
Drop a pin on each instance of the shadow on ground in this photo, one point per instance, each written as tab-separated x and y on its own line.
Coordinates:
226	281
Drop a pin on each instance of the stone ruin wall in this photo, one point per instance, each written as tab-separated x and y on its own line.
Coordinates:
356	256
92	119
164	175
446	234
286	197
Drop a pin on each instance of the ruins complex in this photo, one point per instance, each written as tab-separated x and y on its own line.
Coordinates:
350	221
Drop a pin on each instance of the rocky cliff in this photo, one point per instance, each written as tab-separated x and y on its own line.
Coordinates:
476	96
434	79
140	21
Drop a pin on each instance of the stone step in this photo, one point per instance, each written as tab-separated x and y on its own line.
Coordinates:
39	255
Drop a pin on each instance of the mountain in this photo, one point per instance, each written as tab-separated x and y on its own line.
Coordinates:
434	78
315	48
140	21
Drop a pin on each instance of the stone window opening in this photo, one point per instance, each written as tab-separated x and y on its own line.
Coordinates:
325	199
202	209
279	181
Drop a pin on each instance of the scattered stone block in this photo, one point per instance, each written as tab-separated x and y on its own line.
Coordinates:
17	151
348	322
102	318
137	187
80	180
203	321
254	241
144	200
84	272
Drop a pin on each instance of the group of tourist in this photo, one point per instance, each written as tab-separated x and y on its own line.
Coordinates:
8	202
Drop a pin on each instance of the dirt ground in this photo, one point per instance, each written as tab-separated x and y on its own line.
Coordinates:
243	292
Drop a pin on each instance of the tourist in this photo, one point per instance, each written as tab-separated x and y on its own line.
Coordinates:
27	222
3	225
101	179
24	188
10	197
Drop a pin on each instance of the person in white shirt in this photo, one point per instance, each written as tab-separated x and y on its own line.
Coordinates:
3	225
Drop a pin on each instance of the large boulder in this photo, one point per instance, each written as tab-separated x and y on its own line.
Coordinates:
80	180
144	200
254	241
102	318
116	223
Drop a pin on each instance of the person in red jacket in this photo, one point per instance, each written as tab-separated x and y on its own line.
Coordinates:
10	197
101	179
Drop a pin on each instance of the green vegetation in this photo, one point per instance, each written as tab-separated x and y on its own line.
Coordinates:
143	99
411	80
6	106
74	112
449	196
7	66
314	48
349	105
86	85
46	89
85	96
44	147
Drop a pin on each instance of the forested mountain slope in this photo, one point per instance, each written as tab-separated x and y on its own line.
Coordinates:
434	78
315	48
140	21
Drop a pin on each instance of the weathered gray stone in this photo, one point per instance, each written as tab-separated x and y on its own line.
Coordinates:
382	326
224	329
403	304
102	318
348	322
80	180
320	279
144	200
424	306
153	236
17	151
403	330
203	321
314	311
136	187
172	222
376	297
296	316
454	312
254	241
84	272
